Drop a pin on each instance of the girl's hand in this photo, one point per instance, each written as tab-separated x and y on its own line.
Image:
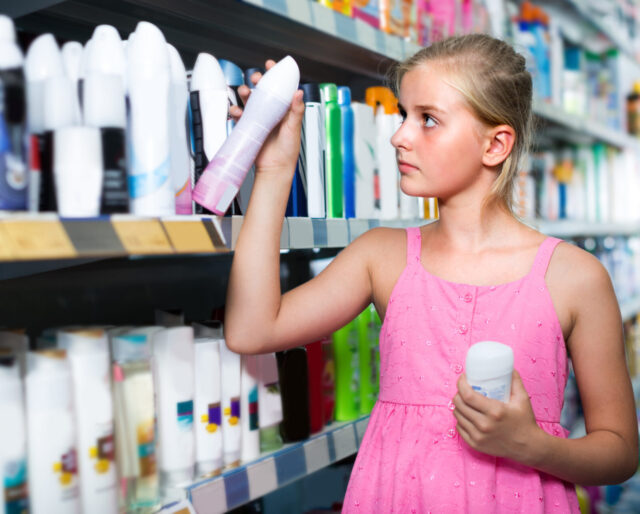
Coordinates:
281	148
494	427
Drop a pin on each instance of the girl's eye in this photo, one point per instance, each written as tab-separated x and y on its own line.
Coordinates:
429	121
403	115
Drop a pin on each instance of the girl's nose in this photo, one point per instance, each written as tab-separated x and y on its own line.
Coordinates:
402	137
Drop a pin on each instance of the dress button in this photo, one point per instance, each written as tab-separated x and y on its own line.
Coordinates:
468	297
463	329
458	368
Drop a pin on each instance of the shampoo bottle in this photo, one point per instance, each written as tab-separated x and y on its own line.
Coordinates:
88	354
14	140
181	162
311	163
134	415
148	79
368	358
249	408
267	105
173	380
231	422
348	157
208	397
13	440
333	151
347	369
269	403
315	369
364	136
105	108
51	435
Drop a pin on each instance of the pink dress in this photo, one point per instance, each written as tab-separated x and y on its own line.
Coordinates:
412	459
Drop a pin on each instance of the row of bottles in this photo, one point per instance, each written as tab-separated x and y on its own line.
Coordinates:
105	419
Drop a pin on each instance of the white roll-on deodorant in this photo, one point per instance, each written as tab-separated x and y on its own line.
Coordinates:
489	366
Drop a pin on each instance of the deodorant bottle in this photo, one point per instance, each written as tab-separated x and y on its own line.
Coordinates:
489	366
266	106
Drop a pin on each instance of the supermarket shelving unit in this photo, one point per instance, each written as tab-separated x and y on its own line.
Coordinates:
328	46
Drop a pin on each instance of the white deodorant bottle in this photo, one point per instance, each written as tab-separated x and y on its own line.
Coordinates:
489	366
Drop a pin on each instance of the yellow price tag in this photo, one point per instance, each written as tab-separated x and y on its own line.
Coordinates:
38	239
189	236
5	245
142	236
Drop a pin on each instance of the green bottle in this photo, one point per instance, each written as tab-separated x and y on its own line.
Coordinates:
347	377
368	324
333	152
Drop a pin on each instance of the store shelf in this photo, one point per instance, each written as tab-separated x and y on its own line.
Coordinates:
569	228
272	471
630	308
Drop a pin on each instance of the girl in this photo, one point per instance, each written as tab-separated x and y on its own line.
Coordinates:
433	444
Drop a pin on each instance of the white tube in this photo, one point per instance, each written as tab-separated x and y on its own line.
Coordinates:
313	142
231	427
249	408
387	165
364	137
51	435
134	411
72	52
88	353
173	378
150	183
13	440
208	399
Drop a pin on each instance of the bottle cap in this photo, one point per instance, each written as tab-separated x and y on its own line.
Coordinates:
207	74
104	101
488	359
344	96
147	55
53	360
380	95
60	100
104	52
10	53
282	79
328	92
247	76
232	73
176	65
311	92
77	168
130	347
72	55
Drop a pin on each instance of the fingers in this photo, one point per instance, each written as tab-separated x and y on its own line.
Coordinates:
472	398
235	112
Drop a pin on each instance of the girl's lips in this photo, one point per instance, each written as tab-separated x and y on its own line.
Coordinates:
405	167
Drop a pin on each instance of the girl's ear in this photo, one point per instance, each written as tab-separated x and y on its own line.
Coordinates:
500	142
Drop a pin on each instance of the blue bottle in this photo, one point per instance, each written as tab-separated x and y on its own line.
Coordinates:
348	157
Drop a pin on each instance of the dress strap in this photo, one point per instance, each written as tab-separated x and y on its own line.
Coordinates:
414	245
543	257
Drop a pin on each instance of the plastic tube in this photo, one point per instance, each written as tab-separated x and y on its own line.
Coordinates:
269	403
333	151
266	106
231	421
208	397
312	160
249	408
51	435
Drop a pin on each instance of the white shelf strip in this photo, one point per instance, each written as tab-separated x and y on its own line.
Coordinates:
255	479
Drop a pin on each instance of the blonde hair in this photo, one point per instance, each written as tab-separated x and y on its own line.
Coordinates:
492	78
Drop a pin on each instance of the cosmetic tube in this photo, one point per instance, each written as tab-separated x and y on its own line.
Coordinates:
88	354
51	435
231	422
267	105
181	162
208	397
347	378
13	440
14	139
78	171
209	104
311	163
348	157
249	408
18	345
148	80
134	416
294	387
173	380
269	403
364	136
72	53
333	151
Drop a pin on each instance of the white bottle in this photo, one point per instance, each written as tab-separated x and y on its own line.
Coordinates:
489	366
249	407
231	420
148	78
72	54
364	137
267	105
386	125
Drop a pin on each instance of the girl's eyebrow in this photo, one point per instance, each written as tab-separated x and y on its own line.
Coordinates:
426	107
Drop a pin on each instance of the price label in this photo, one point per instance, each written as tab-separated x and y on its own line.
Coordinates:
5	245
189	236
38	239
141	237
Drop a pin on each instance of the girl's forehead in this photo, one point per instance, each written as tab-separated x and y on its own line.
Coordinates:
428	84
